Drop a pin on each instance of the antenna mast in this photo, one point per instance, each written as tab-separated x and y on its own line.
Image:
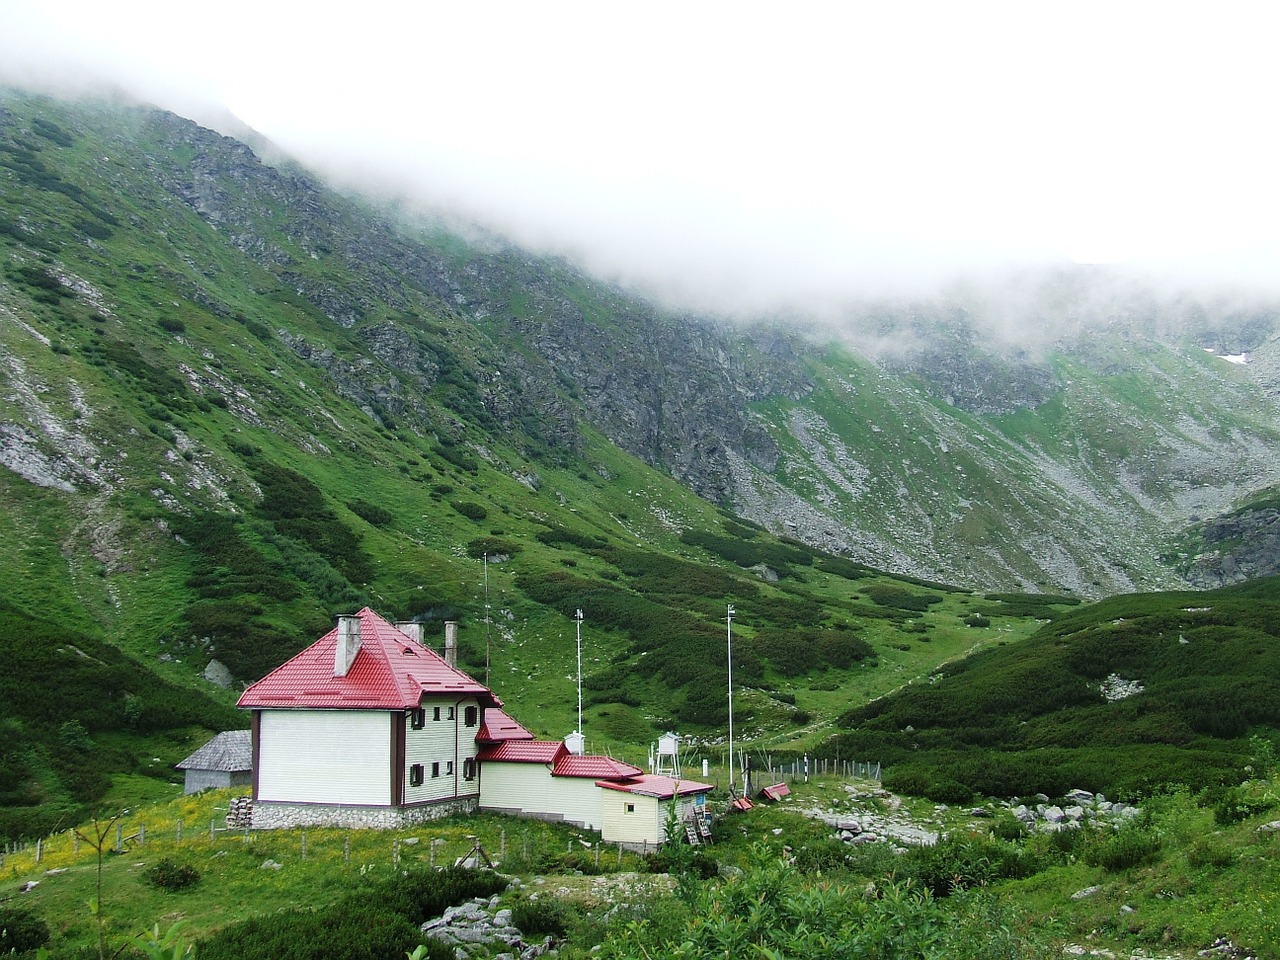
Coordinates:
486	618
729	633
578	618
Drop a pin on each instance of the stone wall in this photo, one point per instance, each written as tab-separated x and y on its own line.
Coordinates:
274	815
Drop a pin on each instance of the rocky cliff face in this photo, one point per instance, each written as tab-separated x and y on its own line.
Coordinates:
918	436
1242	546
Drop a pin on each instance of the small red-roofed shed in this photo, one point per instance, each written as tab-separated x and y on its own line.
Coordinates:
636	810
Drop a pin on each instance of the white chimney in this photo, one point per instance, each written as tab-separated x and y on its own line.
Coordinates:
451	643
344	652
411	629
576	743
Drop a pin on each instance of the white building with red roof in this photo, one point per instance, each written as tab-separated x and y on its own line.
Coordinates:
368	727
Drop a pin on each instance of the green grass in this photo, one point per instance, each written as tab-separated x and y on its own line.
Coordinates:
1203	881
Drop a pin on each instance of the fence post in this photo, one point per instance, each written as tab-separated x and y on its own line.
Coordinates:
502	846
179	832
619	853
212	829
395	853
119	837
304	844
39	849
346	850
142	834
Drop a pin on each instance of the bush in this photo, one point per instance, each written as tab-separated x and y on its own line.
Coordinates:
544	917
470	510
955	863
371	513
21	931
168	874
1127	847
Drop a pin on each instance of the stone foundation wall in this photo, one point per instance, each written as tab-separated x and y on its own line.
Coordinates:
272	815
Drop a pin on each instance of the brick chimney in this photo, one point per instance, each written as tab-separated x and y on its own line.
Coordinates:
348	644
451	643
411	629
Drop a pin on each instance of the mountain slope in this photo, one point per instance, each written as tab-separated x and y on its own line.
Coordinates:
1121	696
234	403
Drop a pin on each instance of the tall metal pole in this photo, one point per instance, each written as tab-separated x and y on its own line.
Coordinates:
578	618
486	618
729	634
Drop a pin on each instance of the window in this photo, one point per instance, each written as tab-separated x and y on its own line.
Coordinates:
415	775
631	808
436	714
419	718
435	769
448	768
451	717
469	768
472	715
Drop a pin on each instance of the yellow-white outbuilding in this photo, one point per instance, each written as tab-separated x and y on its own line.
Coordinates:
635	812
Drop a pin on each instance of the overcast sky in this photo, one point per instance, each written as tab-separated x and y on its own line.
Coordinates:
743	154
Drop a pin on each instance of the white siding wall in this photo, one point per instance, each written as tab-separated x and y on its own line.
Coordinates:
643	825
529	788
325	756
447	742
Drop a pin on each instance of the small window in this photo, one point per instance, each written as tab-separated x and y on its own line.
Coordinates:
472	716
419	718
469	768
415	775
631	808
448	768
435	769
436	714
451	716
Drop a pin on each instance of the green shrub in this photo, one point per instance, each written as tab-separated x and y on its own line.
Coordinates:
492	546
371	513
1208	852
946	790
955	863
543	917
469	509
21	930
379	922
1235	806
168	874
1130	846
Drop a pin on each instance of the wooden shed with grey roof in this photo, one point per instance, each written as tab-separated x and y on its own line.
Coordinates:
225	761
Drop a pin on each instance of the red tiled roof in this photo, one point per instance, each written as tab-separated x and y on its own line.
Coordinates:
653	785
593	766
523	751
776	792
389	672
498	726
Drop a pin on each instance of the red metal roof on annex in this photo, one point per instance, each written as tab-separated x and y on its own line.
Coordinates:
390	672
500	726
594	767
557	755
655	785
523	751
